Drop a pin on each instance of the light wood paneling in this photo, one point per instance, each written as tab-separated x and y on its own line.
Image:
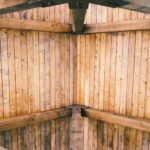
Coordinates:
108	71
55	14
116	80
31	63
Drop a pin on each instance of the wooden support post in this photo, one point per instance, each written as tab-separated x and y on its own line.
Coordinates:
76	129
78	12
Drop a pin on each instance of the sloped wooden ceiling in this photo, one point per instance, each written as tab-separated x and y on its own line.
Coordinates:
77	8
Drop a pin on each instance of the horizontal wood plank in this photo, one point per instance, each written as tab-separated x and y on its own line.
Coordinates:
118	26
21	24
20	121
139	124
34	25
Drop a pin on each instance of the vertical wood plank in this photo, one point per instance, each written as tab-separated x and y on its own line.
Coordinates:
5	75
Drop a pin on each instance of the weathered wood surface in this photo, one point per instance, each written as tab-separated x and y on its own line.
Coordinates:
41	136
76	129
77	9
32	119
31	25
66	28
96	76
36	72
117	26
129	122
15	5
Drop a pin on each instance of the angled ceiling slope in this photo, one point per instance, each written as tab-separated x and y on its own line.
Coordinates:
78	8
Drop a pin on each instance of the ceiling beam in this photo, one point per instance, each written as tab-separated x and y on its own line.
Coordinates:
132	25
135	123
78	12
75	112
33	25
9	6
32	119
136	5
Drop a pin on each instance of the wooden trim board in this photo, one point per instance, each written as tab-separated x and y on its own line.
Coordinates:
130	122
20	121
21	24
118	26
33	25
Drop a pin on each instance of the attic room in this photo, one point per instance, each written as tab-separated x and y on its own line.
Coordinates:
74	75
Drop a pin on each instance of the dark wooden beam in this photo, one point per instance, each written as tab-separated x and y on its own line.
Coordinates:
33	25
110	3
20	121
117	26
9	6
78	12
136	123
76	129
136	5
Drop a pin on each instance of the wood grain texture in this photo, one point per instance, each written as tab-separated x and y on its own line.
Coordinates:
138	124
34	25
16	122
107	71
40	136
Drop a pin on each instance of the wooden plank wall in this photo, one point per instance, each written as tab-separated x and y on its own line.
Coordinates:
56	14
104	136
52	135
39	72
95	14
101	14
113	74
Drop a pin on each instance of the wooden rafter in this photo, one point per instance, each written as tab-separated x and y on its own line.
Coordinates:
20	121
139	124
75	111
33	25
8	6
132	25
78	12
136	5
78	16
